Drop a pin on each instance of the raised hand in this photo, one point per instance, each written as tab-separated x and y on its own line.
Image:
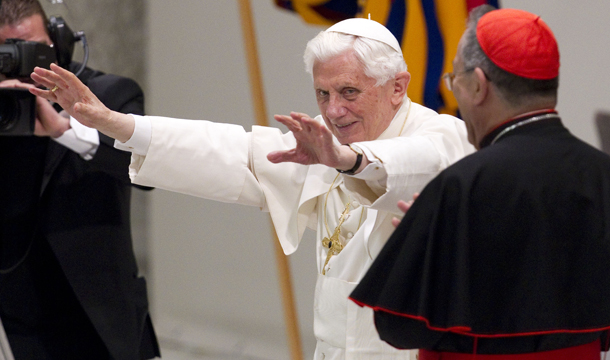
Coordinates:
78	101
315	144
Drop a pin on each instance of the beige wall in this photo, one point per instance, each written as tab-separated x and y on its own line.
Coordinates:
116	32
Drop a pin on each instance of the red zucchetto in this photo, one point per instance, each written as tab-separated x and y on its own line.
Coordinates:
519	42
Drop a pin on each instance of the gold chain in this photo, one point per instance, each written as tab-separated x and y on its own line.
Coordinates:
333	242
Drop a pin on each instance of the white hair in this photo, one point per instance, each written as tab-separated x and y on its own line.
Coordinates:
381	62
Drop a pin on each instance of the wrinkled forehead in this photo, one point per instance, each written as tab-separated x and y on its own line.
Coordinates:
345	65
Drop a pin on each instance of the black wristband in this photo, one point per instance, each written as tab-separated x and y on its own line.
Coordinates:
352	171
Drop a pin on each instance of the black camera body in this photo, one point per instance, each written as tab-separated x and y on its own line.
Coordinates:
17	112
18	58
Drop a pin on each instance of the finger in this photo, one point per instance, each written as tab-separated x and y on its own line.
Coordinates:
42	81
320	126
281	156
57	76
22	85
302	118
396	221
47	94
298	115
67	77
290	123
309	128
9	83
45	77
314	128
309	123
17	85
319	131
404	205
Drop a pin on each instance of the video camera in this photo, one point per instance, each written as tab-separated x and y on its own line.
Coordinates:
18	58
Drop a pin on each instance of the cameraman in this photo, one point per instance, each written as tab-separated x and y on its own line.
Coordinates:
69	284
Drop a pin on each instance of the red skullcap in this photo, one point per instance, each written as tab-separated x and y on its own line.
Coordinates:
519	42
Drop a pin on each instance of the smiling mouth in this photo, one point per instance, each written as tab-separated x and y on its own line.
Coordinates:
344	125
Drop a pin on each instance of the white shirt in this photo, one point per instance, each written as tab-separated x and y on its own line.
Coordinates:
81	139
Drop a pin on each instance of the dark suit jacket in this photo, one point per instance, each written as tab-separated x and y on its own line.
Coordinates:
83	212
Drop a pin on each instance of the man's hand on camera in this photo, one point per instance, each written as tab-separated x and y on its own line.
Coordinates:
48	121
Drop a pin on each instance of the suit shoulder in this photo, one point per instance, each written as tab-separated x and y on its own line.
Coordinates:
111	81
118	93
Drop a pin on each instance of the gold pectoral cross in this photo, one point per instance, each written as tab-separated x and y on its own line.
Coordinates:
334	244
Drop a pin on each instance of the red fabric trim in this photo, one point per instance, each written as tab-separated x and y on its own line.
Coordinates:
467	331
589	351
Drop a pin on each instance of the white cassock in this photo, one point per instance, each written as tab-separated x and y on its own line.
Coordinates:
224	162
5	348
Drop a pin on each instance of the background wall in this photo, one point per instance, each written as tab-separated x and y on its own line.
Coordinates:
211	270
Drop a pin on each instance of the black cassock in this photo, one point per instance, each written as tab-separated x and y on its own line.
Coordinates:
507	251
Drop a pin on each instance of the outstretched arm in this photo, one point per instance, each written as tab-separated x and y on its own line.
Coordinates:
315	145
76	98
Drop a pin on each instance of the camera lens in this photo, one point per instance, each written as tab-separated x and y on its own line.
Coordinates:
8	109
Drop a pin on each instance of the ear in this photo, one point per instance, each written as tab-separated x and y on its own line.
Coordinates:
401	82
481	86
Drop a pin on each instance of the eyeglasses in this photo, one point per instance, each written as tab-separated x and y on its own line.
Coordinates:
449	77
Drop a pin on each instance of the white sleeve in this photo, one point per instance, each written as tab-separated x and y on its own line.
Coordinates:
139	142
407	163
374	170
81	139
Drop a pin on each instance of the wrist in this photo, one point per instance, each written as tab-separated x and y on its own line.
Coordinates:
62	124
357	163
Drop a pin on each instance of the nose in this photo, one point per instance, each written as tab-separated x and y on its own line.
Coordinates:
335	107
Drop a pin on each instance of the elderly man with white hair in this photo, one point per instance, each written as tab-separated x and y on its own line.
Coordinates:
341	173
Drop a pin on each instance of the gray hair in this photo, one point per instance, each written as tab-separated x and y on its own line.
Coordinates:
381	62
515	89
